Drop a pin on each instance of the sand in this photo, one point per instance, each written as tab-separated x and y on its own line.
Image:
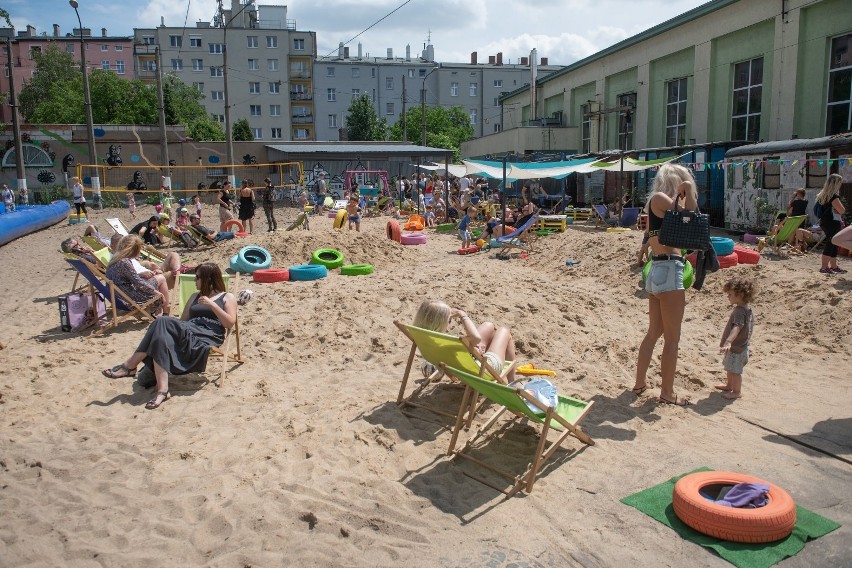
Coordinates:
302	458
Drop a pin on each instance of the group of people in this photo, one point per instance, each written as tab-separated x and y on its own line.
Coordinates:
8	196
247	203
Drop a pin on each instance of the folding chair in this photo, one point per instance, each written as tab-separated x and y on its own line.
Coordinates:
118	226
201	237
788	229
438	348
630	216
118	300
520	240
603	216
564	418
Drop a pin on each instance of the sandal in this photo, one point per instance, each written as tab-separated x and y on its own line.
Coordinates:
152	404
113	373
638	391
676	402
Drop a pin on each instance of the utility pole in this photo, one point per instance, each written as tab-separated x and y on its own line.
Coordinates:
16	126
87	101
229	135
404	123
161	109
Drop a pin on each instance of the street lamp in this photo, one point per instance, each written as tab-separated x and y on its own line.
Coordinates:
423	104
87	100
228	134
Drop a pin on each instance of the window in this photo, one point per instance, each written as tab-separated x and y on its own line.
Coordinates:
119	48
149	65
194	41
216	47
274	87
422	73
586	135
748	90
300	111
257	133
498	83
389	108
119	67
215	71
275	133
454	89
496	127
473	116
148	40
104	47
411	73
298	44
676	112
105	64
254	64
331	95
817	166
272	41
272	65
251	42
176	41
356	72
300	133
37	49
496	101
254	87
329	71
254	110
332	121
839	112
69	48
389	83
627	102
372	72
198	65
473	89
199	86
220	118
299	69
274	110
177	64
217	95
772	173
356	93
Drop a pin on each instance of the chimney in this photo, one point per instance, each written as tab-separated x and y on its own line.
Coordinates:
500	58
544	60
473	58
525	61
360	50
492	60
408	52
390	53
340	50
162	21
31	31
56	32
103	32
346	53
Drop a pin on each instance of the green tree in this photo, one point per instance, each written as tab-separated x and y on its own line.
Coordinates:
241	131
183	103
362	121
119	101
205	129
445	127
53	66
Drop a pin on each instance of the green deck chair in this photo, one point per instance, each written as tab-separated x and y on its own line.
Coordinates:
563	418
442	348
787	230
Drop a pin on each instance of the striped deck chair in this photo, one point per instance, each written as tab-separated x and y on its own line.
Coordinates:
521	240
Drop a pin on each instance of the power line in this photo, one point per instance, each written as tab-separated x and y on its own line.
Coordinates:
365	30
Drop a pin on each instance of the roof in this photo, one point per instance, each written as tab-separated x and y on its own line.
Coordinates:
361	148
777	146
666	26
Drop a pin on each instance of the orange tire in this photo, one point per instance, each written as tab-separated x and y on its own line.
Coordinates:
772	522
230	224
392	230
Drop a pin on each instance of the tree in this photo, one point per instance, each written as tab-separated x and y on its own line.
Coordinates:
241	131
182	102
205	129
5	15
362	121
445	127
53	66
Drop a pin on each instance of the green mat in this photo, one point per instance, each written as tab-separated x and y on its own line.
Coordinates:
656	502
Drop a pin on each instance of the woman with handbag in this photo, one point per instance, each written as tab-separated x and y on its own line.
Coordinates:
664	284
831	214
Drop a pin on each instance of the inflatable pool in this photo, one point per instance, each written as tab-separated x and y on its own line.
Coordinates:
28	219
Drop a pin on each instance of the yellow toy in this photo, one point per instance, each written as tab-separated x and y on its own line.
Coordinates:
529	369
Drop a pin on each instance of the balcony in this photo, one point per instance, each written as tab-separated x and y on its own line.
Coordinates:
303	119
303	74
300	96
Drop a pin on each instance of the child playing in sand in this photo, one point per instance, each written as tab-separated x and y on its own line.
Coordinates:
183	218
737	334
464	226
131	204
353	210
196	200
429	216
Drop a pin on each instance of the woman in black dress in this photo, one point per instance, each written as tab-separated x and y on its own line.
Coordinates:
179	346
247	206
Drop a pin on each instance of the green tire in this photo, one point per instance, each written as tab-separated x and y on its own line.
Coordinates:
330	258
356	269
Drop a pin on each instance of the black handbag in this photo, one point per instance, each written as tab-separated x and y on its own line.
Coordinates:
685	229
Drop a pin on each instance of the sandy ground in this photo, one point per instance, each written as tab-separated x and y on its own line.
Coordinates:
303	458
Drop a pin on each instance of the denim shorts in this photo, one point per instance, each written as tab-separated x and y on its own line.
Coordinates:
464	235
664	276
735	362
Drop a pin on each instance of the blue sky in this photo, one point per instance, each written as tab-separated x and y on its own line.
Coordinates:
562	30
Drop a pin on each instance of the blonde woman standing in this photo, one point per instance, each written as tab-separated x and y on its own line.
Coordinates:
664	284
79	198
829	222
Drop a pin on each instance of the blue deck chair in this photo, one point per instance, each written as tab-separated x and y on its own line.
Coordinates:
118	300
603	216
520	240
630	216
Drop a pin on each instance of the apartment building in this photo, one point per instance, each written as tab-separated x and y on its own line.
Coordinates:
269	67
395	84
111	53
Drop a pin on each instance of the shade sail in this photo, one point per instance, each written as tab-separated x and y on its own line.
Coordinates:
556	170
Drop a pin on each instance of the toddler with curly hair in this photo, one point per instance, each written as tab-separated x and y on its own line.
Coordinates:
737	334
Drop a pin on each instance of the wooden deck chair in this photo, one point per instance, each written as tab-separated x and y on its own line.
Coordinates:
201	237
118	300
521	240
441	348
564	418
602	216
118	226
630	216
780	238
167	233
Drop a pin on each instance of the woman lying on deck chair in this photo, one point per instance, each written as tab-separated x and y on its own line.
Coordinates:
496	344
179	346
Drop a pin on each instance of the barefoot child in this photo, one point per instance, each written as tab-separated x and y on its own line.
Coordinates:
464	227
737	334
353	211
429	217
131	204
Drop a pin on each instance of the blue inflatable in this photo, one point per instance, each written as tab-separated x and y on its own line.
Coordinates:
28	219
